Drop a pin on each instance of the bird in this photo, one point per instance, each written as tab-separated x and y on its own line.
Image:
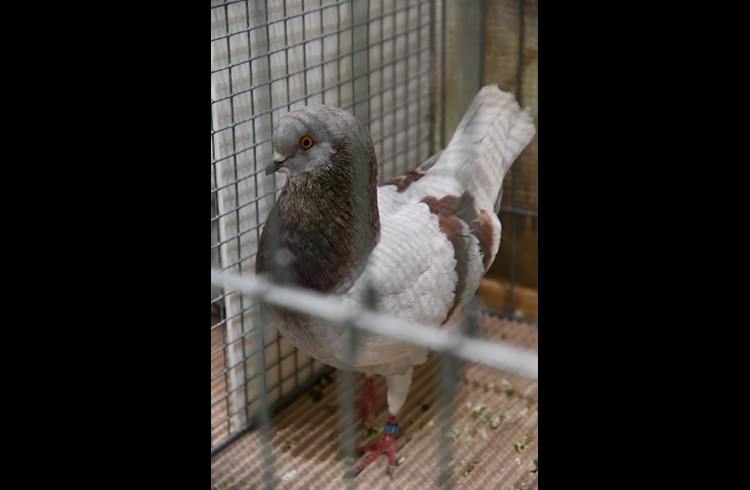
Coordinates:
415	246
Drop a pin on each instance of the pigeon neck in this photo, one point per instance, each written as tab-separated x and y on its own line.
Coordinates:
330	223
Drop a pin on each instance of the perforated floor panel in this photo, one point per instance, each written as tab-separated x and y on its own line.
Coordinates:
494	435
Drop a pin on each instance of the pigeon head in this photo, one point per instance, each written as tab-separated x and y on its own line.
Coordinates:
317	138
326	219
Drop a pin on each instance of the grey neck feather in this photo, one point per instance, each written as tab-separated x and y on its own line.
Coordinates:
327	219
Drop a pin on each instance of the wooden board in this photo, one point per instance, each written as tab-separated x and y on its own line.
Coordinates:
511	61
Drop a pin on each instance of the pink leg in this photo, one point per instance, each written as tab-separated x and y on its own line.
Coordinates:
367	402
385	445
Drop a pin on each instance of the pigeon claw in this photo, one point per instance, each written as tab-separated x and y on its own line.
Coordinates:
385	445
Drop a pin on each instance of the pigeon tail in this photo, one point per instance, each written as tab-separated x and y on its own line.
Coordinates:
492	133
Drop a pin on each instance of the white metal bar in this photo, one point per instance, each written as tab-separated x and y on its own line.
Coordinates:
501	355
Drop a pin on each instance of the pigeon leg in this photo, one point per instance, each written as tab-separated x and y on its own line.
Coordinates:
398	388
365	406
367	401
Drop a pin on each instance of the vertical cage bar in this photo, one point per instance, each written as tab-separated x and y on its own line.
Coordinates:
516	173
360	60
462	50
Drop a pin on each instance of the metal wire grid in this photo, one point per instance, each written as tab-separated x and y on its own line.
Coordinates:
291	372
267	58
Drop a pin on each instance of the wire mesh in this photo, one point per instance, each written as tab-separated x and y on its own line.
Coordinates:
268	58
380	60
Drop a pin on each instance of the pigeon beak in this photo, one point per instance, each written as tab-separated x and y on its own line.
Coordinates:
278	159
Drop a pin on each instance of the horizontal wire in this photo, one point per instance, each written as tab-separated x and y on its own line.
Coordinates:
501	355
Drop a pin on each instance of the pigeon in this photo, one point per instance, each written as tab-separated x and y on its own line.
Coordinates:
415	247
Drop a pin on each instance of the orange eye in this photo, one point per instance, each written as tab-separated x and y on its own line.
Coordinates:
306	142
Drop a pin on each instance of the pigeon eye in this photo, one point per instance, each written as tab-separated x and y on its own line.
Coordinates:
306	142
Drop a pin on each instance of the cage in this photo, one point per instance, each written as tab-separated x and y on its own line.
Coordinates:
407	69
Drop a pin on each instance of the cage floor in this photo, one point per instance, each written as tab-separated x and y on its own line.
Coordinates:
494	433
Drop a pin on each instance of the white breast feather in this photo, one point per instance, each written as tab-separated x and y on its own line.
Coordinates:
413	271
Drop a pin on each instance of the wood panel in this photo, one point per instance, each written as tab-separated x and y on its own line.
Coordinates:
511	61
